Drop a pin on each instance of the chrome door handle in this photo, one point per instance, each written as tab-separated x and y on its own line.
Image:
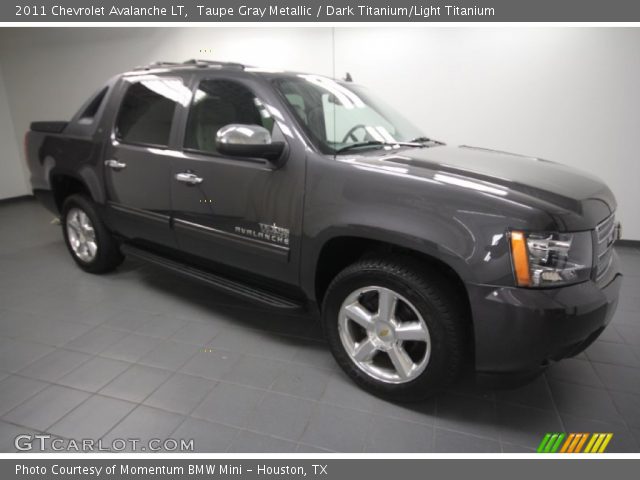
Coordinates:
189	178
115	164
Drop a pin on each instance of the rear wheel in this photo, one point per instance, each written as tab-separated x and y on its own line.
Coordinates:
91	245
394	329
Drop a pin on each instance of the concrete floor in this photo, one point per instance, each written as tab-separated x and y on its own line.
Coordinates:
142	353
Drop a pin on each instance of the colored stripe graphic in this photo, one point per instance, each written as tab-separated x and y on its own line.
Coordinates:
543	443
581	443
608	438
568	442
598	442
551	442
557	442
574	443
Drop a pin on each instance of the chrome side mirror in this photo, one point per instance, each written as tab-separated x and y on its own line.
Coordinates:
240	140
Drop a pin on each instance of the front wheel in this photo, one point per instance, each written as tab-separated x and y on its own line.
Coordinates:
394	329
91	245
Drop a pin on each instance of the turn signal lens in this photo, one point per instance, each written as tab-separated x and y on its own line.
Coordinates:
520	259
551	259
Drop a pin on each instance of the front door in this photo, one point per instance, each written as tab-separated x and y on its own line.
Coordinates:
244	213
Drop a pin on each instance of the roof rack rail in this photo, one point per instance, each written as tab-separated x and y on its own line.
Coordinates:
194	61
156	65
205	63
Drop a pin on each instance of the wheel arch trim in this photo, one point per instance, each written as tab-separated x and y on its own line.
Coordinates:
85	176
421	246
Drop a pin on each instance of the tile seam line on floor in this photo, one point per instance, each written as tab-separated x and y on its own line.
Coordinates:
173	373
287	394
193	409
274	334
48	384
572	382
613	363
235	437
261	357
82	403
97	353
250	416
468	434
233	328
57	420
245	429
37	358
304	444
39	316
89	392
185	416
169	372
164	314
316	401
615	405
603	388
258	432
91	357
611	389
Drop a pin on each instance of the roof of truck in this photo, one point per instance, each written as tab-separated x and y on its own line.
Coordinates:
192	64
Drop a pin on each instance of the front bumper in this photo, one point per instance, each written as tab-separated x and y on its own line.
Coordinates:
520	331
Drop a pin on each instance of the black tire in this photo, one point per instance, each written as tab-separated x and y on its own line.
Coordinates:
437	301
108	255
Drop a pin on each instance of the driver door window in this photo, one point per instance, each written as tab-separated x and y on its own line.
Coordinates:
218	103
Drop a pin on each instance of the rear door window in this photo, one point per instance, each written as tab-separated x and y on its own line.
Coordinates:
147	111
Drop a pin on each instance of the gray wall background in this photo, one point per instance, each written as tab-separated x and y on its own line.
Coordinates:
567	94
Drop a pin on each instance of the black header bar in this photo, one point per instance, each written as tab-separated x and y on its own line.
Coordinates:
195	11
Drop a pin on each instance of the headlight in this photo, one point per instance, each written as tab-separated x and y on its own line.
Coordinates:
551	259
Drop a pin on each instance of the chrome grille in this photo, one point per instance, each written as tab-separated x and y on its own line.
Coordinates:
605	236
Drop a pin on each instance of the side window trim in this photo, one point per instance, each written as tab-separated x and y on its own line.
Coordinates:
80	127
93	107
175	119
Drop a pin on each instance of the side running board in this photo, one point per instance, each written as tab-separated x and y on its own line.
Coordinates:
217	281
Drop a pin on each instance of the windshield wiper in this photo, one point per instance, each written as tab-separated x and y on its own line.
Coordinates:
374	143
422	140
370	143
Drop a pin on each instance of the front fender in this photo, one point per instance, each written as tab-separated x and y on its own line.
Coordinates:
464	228
313	247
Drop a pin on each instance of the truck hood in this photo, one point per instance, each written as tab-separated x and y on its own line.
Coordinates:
565	188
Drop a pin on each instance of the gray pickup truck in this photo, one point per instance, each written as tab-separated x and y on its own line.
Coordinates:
301	191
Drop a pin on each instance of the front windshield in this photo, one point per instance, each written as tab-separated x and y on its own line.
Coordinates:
338	116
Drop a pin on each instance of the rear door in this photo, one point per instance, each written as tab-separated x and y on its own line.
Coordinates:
138	158
246	213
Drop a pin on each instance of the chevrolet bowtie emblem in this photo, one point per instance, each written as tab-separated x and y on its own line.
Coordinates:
384	332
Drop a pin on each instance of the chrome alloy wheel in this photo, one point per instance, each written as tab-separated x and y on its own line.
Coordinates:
81	235
384	334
